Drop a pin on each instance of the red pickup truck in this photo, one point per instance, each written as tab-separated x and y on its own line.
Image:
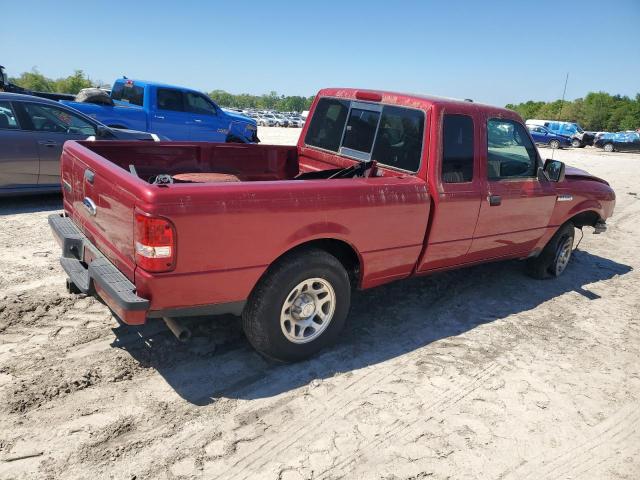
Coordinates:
381	186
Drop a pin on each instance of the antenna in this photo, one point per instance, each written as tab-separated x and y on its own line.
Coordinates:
566	80
564	92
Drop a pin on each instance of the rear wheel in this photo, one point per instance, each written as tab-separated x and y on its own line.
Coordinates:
298	307
555	256
608	147
554	144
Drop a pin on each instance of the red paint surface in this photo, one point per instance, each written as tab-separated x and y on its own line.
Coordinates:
398	224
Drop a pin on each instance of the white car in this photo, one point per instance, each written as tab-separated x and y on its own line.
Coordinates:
267	120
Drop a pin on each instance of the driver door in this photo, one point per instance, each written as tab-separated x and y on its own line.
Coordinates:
52	126
205	124
515	207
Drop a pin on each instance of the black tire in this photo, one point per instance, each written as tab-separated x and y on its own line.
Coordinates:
554	144
261	318
576	143
546	265
94	95
608	147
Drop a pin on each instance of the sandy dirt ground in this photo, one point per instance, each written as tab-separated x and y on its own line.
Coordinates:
482	373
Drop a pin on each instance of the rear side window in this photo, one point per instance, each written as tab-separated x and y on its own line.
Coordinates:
399	140
128	92
457	149
170	99
7	117
327	124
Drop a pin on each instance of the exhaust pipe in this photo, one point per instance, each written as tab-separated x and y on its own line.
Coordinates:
181	332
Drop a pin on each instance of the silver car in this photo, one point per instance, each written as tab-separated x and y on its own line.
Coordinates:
32	132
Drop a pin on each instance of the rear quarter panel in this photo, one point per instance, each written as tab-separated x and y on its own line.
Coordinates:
228	234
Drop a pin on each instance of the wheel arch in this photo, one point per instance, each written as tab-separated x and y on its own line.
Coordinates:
585	218
346	254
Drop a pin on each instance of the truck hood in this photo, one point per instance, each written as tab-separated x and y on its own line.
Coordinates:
236	117
579	174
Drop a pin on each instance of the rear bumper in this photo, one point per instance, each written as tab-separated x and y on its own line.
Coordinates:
100	277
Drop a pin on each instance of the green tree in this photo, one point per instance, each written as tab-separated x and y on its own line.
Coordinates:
34	80
596	111
73	83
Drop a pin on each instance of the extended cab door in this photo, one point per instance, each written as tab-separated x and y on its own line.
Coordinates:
516	207
206	123
457	179
167	115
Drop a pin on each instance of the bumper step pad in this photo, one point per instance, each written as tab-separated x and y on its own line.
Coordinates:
100	272
77	273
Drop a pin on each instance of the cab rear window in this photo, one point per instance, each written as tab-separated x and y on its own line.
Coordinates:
128	92
388	134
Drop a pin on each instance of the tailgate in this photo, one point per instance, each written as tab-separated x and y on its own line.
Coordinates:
100	199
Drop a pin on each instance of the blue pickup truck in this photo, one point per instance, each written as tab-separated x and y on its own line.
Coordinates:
174	112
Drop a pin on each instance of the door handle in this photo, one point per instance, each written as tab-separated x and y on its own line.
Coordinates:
494	200
159	116
197	120
48	143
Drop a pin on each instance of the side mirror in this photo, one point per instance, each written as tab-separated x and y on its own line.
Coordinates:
554	170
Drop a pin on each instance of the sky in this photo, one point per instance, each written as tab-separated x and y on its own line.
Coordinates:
494	52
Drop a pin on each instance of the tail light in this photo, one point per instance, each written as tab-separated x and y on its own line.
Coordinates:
155	243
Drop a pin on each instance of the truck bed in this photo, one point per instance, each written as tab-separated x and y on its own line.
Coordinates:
384	217
248	162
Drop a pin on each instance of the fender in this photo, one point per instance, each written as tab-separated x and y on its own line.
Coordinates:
586	205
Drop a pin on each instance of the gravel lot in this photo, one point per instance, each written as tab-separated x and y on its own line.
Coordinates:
480	373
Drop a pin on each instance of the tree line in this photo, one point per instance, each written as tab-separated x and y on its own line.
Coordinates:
597	111
36	81
268	101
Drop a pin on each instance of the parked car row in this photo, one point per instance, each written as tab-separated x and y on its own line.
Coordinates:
269	118
556	134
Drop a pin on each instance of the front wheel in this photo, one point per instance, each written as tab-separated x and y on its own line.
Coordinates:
575	143
555	256
554	144
298	307
608	147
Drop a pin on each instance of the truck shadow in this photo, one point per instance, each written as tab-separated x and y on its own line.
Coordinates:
384	323
29	204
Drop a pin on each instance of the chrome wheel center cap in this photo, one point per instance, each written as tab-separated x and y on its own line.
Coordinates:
304	306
